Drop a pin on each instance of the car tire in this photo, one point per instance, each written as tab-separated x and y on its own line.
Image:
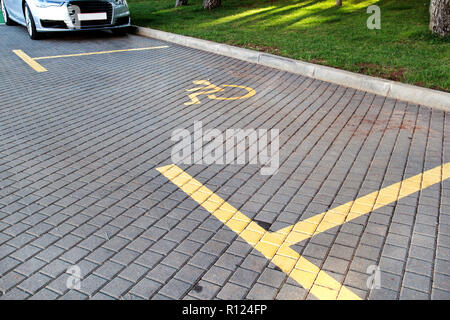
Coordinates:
31	26
6	17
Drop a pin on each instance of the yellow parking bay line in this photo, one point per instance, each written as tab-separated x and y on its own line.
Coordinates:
99	52
37	67
30	61
344	213
275	246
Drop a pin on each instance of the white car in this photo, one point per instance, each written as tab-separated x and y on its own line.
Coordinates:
67	15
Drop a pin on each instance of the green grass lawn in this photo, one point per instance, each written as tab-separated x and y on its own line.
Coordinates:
1	18
317	31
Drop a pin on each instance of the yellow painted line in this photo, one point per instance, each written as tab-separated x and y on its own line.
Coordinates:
267	243
30	61
251	93
337	216
99	52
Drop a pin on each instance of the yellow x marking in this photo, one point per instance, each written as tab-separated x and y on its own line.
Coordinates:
38	68
275	246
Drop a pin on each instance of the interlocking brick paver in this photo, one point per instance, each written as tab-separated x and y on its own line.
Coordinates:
55	268
175	289
202	260
244	277
176	259
7	264
73	255
15	294
92	284
73	295
29	267
117	287
390	281
204	290
100	255
10	280
133	272
189	274
34	283
392	265
188	247
161	273
272	278
108	270
441	281
125	256
254	262
232	291
442	266
262	292
438	294
102	296
25	252
145	288
149	259
217	275
291	292
410	294
45	294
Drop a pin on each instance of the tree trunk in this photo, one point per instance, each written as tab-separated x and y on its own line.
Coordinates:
211	4
181	3
338	3
440	17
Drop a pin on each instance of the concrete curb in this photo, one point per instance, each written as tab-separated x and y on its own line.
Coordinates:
391	89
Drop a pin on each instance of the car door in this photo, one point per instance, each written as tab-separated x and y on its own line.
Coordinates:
14	8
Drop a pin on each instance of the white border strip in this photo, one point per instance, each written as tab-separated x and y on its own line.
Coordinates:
391	89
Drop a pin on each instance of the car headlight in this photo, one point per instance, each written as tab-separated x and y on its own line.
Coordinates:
121	2
48	3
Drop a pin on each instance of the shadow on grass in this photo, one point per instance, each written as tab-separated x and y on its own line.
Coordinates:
317	31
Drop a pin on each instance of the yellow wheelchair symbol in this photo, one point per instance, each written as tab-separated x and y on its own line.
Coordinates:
210	89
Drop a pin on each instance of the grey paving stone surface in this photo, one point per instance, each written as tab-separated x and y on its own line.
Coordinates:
79	145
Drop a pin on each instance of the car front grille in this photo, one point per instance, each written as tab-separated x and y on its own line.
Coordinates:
94	7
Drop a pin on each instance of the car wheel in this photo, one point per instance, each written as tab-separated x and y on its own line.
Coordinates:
31	26
8	21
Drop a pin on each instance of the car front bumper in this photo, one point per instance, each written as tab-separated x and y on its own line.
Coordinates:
57	19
